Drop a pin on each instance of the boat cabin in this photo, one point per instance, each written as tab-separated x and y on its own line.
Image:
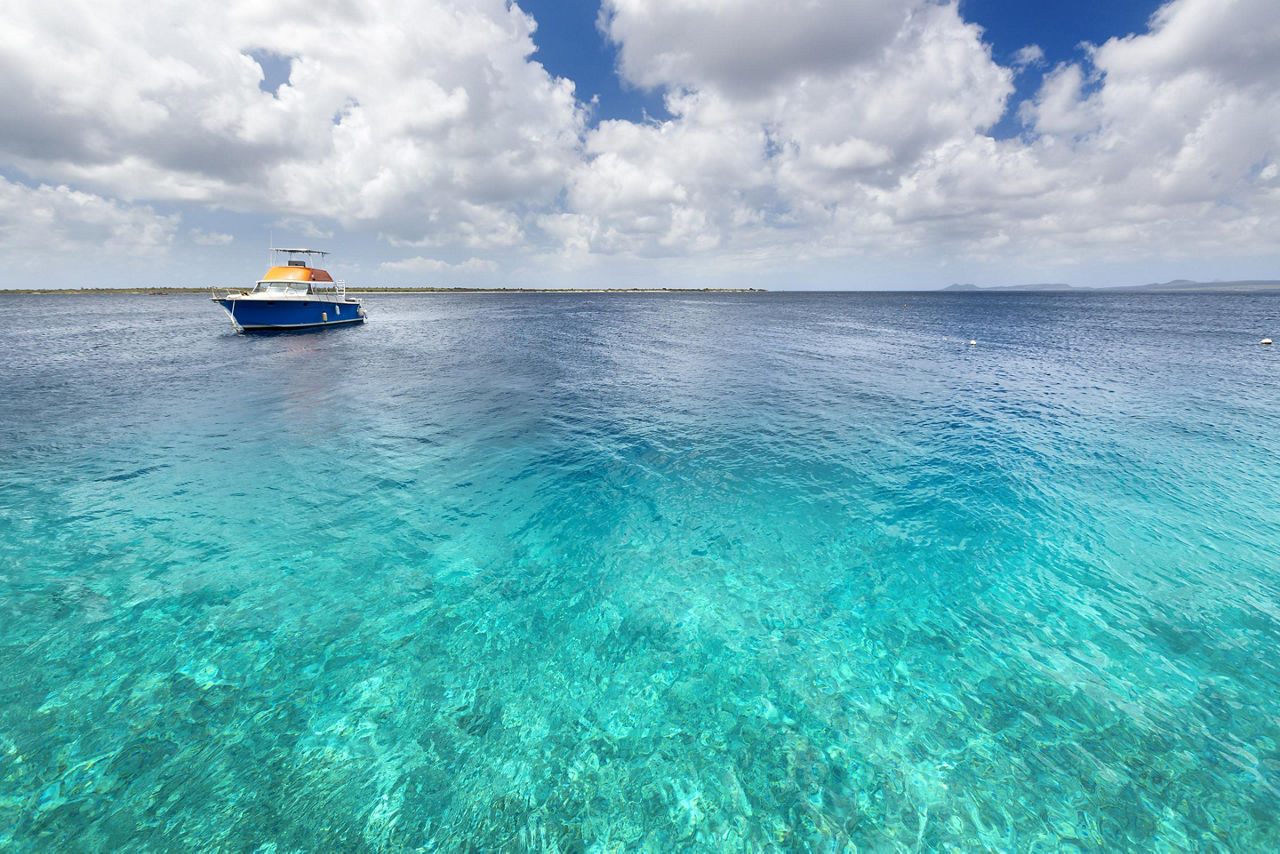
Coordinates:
290	274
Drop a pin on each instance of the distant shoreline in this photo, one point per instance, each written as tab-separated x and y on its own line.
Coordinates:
1179	286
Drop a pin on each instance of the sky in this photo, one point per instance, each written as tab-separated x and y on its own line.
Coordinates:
820	144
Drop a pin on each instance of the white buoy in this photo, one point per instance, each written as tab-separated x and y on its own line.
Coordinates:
324	317
971	343
1266	340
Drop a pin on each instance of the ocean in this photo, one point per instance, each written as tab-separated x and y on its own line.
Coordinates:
655	572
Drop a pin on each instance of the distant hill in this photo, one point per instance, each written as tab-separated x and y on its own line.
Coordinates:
1175	286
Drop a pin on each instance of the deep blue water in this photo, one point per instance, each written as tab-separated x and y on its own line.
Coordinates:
655	572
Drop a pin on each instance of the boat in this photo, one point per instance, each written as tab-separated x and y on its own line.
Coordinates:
294	294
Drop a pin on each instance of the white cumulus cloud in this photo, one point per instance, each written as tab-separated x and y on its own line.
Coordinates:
49	227
743	46
1162	141
776	155
1029	55
416	119
877	146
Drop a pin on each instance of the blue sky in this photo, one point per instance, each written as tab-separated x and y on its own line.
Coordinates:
570	45
836	144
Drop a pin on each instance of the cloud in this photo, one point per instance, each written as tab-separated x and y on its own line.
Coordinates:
50	227
1233	41
302	227
1029	56
442	126
476	227
210	238
420	264
770	157
748	45
1163	141
879	148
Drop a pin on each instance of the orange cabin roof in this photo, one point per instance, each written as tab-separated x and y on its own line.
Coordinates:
296	274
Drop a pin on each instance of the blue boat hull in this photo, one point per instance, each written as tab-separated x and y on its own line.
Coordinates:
250	315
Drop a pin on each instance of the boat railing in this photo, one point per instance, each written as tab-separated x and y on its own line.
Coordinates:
337	288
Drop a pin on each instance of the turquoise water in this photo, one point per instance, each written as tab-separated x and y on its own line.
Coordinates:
653	572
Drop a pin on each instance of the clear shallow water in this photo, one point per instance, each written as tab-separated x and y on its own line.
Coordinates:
582	573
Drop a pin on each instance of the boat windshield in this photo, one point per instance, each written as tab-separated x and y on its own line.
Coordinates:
282	288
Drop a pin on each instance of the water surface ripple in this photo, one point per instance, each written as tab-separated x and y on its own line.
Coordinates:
651	572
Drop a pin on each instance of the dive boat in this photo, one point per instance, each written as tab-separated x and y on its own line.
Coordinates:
292	295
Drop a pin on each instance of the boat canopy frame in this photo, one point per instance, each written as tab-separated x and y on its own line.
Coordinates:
287	255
